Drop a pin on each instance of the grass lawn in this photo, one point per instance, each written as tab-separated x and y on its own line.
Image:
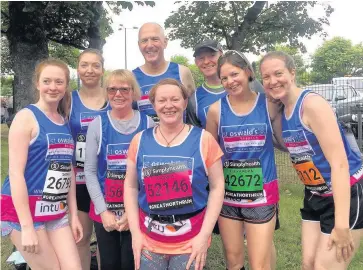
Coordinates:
287	238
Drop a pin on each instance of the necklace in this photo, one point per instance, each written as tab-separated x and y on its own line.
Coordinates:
169	142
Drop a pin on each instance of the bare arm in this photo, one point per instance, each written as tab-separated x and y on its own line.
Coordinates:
215	198
213	119
319	116
23	129
130	197
187	79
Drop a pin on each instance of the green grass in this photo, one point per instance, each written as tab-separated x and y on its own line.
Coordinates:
287	238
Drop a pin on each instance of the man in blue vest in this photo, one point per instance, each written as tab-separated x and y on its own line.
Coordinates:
152	43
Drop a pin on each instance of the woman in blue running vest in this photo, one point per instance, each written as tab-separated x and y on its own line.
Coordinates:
170	212
87	103
108	140
242	123
38	198
332	214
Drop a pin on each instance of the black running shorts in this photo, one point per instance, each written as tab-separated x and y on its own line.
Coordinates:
83	198
321	209
255	215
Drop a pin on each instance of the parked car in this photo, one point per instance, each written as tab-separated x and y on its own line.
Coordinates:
344	98
346	102
356	82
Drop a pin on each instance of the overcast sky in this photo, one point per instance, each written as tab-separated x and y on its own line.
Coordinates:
346	21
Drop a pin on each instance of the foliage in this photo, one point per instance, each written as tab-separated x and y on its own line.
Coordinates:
197	75
6	86
337	58
245	25
66	53
5	56
31	25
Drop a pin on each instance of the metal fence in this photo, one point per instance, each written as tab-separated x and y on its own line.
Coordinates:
345	95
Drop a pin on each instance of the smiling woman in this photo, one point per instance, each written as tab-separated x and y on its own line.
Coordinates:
40	158
170	212
332	216
87	103
108	140
242	123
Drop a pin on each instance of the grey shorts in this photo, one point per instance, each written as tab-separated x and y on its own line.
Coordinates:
255	215
7	226
152	261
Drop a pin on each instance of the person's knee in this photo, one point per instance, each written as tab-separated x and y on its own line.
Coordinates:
86	239
319	265
308	263
234	264
234	256
261	264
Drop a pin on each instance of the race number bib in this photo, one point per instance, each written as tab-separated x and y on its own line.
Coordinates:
309	175
80	150
243	179
114	189
57	182
168	186
116	156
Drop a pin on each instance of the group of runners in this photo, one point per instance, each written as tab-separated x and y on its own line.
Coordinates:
153	164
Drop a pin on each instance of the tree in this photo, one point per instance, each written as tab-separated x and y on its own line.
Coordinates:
337	58
66	53
6	86
246	26
197	75
29	26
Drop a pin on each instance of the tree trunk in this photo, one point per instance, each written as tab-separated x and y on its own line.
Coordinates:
94	33
28	44
250	18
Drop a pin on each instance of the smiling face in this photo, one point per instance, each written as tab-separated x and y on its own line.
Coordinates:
120	94
234	79
277	79
169	104
52	84
152	42
207	61
90	69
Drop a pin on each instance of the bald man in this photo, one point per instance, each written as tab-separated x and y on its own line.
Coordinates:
152	43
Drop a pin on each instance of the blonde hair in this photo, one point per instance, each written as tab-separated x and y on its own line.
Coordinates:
65	103
167	81
124	75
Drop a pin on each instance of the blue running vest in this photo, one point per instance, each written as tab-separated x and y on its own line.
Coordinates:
203	99
79	119
47	172
307	156
146	82
172	180
112	158
248	162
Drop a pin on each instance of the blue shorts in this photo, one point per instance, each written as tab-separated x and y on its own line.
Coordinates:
8	226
